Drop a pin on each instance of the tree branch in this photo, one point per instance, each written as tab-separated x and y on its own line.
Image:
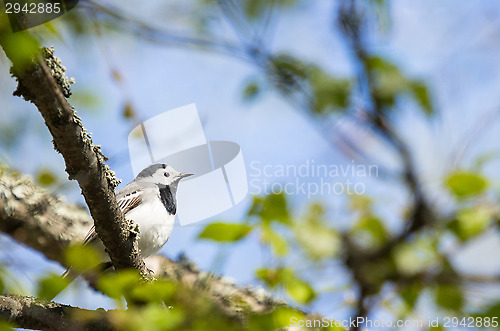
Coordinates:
33	313
42	82
40	220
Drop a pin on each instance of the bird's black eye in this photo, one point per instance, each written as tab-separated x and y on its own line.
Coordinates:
167	174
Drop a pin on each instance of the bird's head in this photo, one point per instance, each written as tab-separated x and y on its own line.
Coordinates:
161	174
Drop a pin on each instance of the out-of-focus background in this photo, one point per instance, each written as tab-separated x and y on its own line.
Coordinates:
300	85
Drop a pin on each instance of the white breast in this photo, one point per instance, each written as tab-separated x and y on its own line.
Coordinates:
155	226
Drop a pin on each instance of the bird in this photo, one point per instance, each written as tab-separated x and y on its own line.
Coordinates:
150	201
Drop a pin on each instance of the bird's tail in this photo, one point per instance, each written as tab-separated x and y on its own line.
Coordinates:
68	273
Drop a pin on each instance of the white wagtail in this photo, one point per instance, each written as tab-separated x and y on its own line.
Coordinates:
149	200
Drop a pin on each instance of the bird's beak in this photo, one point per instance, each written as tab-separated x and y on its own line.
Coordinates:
185	175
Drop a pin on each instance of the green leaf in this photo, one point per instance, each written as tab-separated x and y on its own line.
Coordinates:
272	207
282	315
415	256
360	203
327	93
251	91
6	326
317	240
388	81
287	72
117	285
296	288
21	47
159	319
50	286
255	8
271	277
277	243
410	294
422	96
471	222
374	228
278	319
150	317
449	297
225	232
330	93
158	291
493	310
82	257
466	184
45	177
299	290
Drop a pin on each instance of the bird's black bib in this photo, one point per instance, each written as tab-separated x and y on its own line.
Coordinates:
168	200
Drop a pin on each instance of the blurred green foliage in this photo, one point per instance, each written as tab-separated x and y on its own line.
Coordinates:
268	209
6	326
296	288
390	84
414	265
315	236
449	296
280	319
472	221
326	92
170	305
224	232
82	258
51	285
416	256
119	285
251	90
465	184
269	213
20	46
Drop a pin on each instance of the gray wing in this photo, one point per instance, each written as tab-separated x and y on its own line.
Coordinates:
127	199
130	201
